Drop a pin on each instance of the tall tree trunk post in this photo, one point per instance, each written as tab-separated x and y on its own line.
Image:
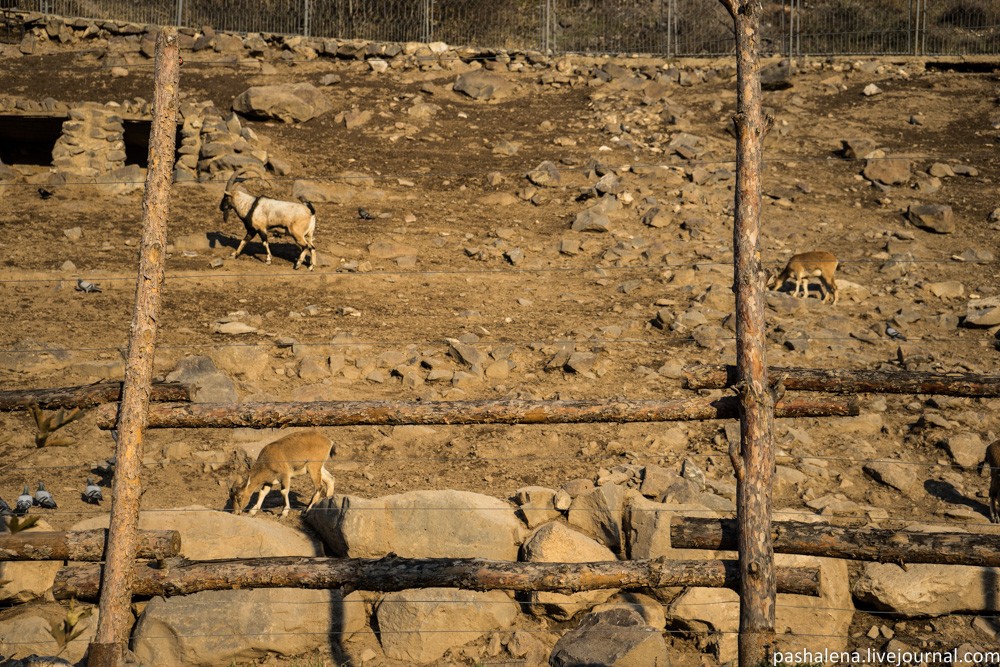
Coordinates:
753	461
110	642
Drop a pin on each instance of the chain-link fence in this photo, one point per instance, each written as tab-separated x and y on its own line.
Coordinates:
663	27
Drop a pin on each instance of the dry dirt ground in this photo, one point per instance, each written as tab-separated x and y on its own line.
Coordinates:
430	177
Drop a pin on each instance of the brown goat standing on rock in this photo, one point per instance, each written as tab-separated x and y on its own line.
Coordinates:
281	460
263	214
993	461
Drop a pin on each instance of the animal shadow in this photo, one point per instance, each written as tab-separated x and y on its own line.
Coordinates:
947	492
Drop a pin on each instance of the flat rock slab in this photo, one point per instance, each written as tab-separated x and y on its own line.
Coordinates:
289	103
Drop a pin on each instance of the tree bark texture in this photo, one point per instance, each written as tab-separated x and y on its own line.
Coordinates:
84	396
878	545
381	413
115	620
843	381
395	574
83	545
754	460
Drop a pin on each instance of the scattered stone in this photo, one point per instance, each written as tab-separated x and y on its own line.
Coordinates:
899	476
888	170
537	504
922	590
965	448
599	513
591	220
617	637
482	85
545	175
871	89
936	218
940	170
857	148
73	233
949	289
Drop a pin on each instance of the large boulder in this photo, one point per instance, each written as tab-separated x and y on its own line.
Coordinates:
225	627
482	85
555	543
289	103
419	626
929	590
598	513
207	535
419	524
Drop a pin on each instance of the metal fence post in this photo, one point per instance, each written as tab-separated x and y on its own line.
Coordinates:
180	12
306	18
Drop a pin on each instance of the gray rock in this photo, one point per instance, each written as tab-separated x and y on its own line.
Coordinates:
334	193
419	524
591	220
419	626
289	103
949	289
940	170
655	217
204	382
936	218
899	476
983	312
599	513
483	85
857	148
615	637
545	175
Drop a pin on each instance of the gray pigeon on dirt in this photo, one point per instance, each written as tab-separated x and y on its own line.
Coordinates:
43	498
92	494
24	502
87	286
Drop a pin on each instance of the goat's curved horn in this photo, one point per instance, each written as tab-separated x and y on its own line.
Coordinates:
233	180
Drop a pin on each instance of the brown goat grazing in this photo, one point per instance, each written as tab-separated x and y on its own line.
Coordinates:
806	265
992	460
278	462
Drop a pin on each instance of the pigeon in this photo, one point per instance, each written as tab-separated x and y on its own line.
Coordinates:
92	494
86	286
43	498
892	333
364	214
24	502
44	193
5	509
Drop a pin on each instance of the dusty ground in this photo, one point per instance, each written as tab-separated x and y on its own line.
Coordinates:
430	177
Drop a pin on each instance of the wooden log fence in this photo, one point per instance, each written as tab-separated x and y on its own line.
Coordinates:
180	577
842	381
84	396
878	545
82	545
383	413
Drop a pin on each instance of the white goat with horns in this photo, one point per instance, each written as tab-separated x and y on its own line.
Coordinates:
260	215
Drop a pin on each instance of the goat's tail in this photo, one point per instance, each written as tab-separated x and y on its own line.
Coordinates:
312	209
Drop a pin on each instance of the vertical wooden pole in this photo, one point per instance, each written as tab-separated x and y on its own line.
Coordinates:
110	642
753	461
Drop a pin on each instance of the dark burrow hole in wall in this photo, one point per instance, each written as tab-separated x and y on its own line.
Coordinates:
30	140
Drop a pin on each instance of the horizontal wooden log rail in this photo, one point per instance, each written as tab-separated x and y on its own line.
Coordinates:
82	545
394	574
841	381
878	545
383	413
84	396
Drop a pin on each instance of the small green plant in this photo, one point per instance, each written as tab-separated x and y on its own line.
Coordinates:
66	630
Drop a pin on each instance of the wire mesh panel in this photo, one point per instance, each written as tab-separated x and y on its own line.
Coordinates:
961	27
274	16
377	20
700	28
609	26
515	24
161	12
852	27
